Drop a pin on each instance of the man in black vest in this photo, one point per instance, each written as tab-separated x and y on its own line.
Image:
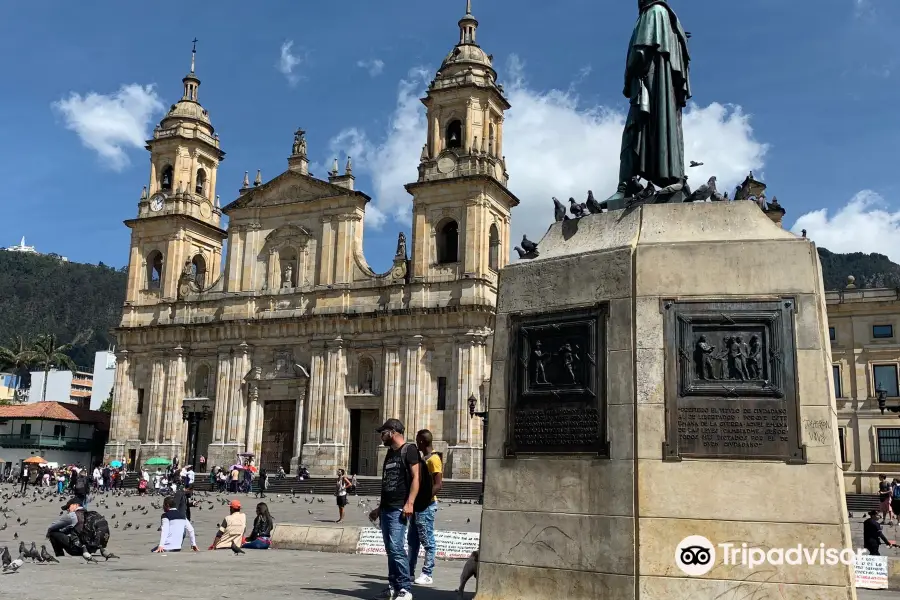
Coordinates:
398	493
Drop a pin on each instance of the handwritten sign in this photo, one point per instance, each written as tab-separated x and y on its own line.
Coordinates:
871	572
449	544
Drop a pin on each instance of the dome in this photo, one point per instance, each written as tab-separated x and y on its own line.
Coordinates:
467	55
188	109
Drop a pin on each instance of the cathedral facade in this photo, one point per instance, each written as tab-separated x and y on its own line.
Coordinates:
293	348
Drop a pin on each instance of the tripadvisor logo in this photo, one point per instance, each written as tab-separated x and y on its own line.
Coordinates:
695	555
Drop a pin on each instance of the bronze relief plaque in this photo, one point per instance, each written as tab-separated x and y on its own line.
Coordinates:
557	403
731	380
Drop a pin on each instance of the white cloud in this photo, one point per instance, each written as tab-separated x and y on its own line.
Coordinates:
288	61
375	66
111	124
865	224
554	144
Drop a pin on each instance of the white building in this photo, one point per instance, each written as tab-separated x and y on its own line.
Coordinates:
84	388
21	247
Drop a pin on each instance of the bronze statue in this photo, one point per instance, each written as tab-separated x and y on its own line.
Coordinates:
657	82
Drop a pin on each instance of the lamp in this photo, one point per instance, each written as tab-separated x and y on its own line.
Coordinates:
185	415
881	394
472	402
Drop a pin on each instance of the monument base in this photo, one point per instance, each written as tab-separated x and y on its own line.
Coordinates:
684	390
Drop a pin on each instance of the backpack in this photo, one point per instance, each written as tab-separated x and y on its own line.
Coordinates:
897	491
94	532
81	485
426	484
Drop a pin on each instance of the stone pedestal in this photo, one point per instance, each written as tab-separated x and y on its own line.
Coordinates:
592	487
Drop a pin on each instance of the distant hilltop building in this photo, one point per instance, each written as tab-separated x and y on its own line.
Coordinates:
21	247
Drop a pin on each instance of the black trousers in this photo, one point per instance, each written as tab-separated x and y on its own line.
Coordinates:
62	544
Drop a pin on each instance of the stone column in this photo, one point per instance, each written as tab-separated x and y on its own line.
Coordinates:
253	414
154	406
334	393
390	381
118	427
174	396
314	433
238	412
223	373
299	426
414	375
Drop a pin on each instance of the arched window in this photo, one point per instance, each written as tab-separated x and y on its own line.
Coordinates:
454	134
201	382
201	182
198	270
494	243
448	242
154	270
168	175
365	373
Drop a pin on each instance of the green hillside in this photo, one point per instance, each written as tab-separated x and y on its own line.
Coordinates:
870	270
42	294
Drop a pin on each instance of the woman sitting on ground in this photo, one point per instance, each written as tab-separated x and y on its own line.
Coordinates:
261	536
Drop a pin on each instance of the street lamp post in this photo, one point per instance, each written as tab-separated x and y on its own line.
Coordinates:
473	402
193	419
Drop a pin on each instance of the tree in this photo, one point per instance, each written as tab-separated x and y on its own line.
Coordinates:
48	353
107	404
16	357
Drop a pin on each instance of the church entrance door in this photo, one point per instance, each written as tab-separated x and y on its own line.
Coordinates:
279	419
363	442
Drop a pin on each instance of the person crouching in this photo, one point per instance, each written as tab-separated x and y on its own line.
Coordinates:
62	533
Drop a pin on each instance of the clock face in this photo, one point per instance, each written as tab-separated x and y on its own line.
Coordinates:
157	202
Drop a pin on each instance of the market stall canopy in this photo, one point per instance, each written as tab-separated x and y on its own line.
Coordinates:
158	461
34	460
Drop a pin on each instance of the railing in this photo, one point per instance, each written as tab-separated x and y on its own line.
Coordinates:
75	444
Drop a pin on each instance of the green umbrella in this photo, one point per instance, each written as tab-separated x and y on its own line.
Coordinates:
158	461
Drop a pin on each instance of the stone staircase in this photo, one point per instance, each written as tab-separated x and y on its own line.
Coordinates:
455	489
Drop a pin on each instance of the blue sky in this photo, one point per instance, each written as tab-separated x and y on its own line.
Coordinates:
816	84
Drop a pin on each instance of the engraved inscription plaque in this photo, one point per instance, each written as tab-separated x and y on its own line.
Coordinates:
557	399
731	388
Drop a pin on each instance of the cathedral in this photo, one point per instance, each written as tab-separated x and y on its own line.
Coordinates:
293	348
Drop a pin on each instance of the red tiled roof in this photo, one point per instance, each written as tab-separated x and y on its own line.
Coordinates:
56	411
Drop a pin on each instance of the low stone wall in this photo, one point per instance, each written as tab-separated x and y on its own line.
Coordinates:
317	539
450	545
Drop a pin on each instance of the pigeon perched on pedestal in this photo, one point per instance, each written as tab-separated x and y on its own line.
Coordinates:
528	250
559	211
704	192
579	210
592	205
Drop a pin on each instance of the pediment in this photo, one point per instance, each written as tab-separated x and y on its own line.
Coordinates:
289	188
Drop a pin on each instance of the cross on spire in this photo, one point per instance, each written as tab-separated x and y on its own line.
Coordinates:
194	53
468	7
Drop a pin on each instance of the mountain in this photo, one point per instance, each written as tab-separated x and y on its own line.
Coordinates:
42	294
870	270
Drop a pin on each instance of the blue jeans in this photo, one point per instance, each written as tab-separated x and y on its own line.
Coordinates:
422	530
257	544
394	533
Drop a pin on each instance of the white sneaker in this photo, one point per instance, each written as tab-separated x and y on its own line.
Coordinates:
403	595
424	579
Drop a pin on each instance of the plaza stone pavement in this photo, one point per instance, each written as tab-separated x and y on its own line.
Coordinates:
207	574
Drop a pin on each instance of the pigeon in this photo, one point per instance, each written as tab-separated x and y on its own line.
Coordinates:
592	205
528	250
577	209
87	557
235	549
22	549
107	555
4	526
33	553
15	565
803	231
24	523
309	511
694	163
16	535
46	556
704	191
559	211
5	558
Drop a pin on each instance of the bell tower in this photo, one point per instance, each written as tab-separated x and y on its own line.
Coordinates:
177	229
461	206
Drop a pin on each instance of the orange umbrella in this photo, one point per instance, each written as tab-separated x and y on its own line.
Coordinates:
34	460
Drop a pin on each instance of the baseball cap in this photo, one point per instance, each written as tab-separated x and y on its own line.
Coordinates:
235	504
394	425
70	503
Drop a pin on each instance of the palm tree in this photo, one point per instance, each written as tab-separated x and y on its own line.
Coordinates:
47	354
17	356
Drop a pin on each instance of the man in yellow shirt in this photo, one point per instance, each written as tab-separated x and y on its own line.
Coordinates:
421	530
